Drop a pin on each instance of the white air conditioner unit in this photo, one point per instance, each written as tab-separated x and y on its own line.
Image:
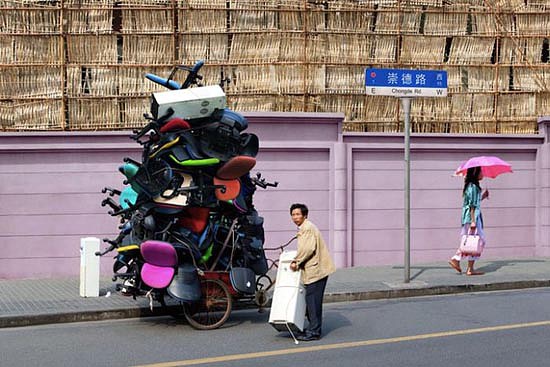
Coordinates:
190	103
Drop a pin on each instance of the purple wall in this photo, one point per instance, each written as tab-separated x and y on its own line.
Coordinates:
353	182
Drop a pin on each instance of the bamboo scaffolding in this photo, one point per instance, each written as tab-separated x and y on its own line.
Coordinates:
254	79
260	48
132	111
289	103
132	81
516	106
150	49
252	103
525	51
282	55
533	24
345	79
315	17
212	74
537	5
384	49
31	82
91	81
92	49
81	19
485	23
506	5
316	46
524	79
349	16
543	104
348	48
211	48
452	23
202	21
482	79
292	47
94	114
291	20
256	15
290	78
44	21
316	79
471	50
31	115
147	21
31	50
422	49
406	21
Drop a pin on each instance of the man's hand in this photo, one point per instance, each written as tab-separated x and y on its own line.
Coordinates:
485	194
293	266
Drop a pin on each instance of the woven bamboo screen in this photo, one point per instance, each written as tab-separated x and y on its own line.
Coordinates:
79	64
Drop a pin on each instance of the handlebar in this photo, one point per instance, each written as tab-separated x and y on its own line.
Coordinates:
192	78
261	182
111	191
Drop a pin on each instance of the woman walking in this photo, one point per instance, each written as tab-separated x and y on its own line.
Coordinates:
472	220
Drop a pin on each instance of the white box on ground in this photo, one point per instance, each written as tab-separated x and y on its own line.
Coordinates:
190	103
89	267
288	306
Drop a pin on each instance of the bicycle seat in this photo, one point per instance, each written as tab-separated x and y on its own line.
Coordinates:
194	219
179	200
175	124
160	261
236	167
128	197
232	189
249	145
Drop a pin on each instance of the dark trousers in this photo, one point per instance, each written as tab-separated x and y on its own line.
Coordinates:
314	305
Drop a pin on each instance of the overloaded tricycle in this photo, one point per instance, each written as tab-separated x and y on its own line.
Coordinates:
189	229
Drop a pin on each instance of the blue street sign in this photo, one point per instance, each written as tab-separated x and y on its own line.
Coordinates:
406	82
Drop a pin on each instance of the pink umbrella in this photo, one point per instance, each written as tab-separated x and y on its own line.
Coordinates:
490	166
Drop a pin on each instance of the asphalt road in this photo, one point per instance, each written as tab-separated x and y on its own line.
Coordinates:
482	329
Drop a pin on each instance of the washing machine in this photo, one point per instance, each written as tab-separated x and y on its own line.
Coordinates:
288	306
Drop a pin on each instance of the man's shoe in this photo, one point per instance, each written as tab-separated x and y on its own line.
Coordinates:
308	337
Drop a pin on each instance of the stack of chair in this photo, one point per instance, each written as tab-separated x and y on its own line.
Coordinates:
193	189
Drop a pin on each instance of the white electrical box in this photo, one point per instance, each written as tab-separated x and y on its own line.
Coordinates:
288	306
89	267
190	103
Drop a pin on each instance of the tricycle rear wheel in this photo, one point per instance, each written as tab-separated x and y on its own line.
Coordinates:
213	309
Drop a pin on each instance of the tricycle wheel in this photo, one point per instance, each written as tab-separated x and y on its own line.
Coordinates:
213	309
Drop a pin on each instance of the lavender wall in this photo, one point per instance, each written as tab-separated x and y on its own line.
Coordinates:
50	192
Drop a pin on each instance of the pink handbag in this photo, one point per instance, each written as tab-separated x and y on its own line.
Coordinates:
471	244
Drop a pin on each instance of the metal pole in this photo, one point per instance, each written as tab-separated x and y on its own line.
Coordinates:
406	103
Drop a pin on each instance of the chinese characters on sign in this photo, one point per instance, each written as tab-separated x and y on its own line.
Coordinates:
406	83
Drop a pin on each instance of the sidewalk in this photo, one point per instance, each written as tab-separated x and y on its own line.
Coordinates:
43	301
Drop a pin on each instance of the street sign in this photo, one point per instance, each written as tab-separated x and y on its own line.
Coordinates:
406	82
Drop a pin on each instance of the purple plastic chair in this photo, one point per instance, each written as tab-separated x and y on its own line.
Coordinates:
160	262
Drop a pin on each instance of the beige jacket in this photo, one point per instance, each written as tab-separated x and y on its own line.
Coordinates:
313	256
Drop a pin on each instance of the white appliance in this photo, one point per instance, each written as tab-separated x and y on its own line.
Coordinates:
189	103
288	306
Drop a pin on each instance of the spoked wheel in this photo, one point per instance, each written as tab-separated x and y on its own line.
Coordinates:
213	309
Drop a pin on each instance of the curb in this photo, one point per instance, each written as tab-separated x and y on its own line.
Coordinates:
136	312
434	290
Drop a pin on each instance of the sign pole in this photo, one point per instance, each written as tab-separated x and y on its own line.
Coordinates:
406	84
406	103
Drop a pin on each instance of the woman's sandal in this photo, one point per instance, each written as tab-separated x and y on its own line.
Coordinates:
474	272
455	265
